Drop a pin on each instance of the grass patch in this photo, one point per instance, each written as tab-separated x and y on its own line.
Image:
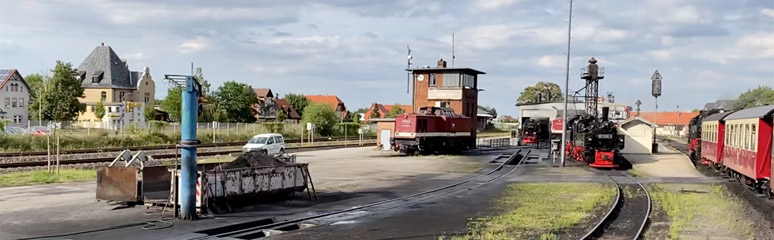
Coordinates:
43	177
635	172
539	210
698	212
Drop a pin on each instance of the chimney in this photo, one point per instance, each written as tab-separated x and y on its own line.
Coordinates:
605	111
441	63
102	44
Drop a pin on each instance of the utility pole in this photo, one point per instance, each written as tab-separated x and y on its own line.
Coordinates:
408	76
188	142
566	88
453	56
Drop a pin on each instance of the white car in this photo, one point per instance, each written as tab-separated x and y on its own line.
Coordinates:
269	143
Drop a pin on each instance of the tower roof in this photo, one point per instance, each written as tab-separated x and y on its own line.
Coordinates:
104	61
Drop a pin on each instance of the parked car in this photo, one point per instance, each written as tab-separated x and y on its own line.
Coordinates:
269	143
40	130
15	130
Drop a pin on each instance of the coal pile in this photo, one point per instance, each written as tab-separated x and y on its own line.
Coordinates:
254	159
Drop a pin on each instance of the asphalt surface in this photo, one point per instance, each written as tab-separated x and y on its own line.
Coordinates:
71	209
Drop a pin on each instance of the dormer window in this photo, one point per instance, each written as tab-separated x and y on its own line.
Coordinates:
97	77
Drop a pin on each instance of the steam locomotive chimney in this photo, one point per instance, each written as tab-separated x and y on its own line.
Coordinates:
605	111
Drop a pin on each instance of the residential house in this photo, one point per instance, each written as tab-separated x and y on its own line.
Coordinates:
483	119
106	77
331	100
291	115
266	108
15	95
669	123
384	110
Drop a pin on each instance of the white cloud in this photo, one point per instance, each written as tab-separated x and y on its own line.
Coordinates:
768	12
194	45
134	56
667	40
552	61
661	55
495	4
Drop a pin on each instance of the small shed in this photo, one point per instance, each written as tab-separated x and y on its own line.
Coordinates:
385	129
638	134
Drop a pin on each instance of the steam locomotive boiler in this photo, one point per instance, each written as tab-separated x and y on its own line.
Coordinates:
595	141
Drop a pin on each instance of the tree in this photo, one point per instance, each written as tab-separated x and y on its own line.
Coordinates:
99	110
490	110
149	113
236	101
756	97
36	83
281	115
172	103
541	92
375	112
298	101
696	110
395	111
59	100
322	116
203	82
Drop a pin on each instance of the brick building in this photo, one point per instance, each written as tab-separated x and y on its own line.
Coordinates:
454	88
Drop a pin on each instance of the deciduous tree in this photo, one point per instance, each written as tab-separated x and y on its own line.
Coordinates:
298	101
541	92
172	103
755	97
323	117
59	101
236	101
395	111
99	110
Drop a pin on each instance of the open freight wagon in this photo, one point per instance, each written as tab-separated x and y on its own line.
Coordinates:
217	190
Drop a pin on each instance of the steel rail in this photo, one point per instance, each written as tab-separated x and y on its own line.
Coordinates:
251	230
599	227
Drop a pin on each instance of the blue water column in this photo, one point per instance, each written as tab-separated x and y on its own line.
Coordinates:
189	111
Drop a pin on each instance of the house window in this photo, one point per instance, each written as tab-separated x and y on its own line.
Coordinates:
17	119
432	80
445	104
21	102
7	102
103	96
121	96
97	77
451	79
13	102
147	96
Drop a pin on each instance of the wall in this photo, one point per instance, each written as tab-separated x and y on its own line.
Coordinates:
638	137
22	96
93	95
145	85
382	126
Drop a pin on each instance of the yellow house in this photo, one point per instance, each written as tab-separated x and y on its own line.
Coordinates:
106	77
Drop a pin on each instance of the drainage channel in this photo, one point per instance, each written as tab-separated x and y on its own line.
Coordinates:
270	226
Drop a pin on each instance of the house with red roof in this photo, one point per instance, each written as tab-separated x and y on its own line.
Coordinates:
291	115
384	110
669	123
15	96
331	100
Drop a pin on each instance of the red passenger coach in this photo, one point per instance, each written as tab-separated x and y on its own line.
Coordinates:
713	131
748	146
433	129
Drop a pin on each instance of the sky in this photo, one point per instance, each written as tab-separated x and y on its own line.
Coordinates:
356	49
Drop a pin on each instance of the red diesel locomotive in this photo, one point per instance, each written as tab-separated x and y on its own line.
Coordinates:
432	129
740	144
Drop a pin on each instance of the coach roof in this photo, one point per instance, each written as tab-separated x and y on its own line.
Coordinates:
756	112
717	116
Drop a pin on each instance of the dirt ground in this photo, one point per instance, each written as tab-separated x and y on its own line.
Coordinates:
667	163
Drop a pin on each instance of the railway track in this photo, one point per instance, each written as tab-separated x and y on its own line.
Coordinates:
144	148
158	156
259	228
629	213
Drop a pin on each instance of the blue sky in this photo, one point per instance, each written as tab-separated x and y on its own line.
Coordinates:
356	49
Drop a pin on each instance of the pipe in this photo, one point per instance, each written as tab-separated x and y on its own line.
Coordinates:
188	143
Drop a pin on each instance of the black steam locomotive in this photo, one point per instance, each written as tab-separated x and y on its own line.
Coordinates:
595	141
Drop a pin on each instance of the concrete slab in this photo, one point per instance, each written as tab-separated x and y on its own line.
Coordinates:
667	163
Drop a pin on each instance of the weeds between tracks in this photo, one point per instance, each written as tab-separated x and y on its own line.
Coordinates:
43	177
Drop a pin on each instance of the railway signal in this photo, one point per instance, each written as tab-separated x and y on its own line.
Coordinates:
656	92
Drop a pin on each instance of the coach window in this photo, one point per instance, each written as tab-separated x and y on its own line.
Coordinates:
746	136
754	139
731	136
